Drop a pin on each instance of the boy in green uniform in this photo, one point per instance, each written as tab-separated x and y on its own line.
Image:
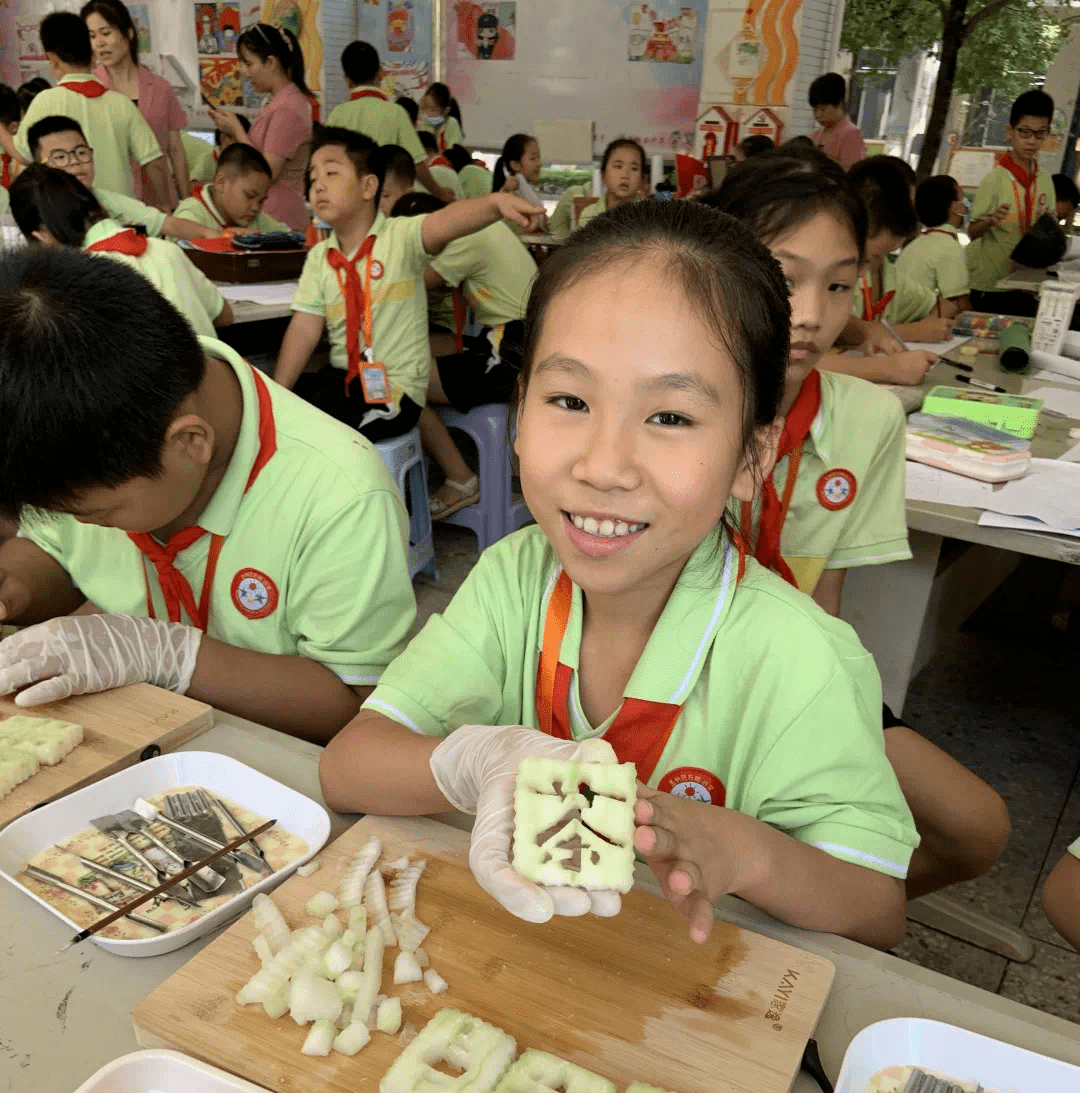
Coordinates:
114	128
370	112
445	177
1015	193
60	142
245	549
935	259
235	197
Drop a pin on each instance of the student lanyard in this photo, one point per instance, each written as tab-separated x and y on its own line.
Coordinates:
128	241
90	89
357	302
773	509
641	728
199	191
5	176
174	584
367	93
871	310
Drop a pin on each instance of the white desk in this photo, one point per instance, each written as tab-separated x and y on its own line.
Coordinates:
268	301
64	1017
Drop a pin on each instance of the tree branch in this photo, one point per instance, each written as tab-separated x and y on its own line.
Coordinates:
991	9
940	5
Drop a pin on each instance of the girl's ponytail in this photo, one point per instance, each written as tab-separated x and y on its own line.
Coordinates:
455	113
498	175
295	67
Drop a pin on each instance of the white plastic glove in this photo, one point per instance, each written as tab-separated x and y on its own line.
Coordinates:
80	654
475	768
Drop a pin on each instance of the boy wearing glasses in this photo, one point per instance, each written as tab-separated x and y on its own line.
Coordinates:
1009	200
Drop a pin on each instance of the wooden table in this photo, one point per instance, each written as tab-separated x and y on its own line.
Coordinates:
248	311
65	1016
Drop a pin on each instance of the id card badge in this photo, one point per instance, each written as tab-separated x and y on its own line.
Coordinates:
375	382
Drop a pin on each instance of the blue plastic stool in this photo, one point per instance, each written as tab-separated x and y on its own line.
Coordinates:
404	459
494	515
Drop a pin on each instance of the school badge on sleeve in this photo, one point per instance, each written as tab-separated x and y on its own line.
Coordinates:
254	594
836	489
695	783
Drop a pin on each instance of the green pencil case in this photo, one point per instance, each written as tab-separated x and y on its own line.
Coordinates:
1013	414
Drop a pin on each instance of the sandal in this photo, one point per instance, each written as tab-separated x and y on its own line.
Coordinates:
470	495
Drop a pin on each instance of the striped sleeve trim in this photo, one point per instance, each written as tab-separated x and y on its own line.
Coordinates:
393	713
863	857
896	550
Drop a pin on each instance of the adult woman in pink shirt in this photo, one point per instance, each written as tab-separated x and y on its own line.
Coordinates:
116	47
273	61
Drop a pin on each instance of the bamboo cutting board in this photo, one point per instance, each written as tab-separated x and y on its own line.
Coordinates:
631	998
118	726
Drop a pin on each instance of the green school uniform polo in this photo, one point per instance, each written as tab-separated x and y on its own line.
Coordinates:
912	302
591	212
1074	849
130	210
561	220
847	509
200	156
384	121
494	270
447	134
166	267
476	181
447	178
398	306
204	211
989	257
313	563
936	260
781	713
113	126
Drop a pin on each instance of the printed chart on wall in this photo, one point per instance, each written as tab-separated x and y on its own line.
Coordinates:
401	30
633	69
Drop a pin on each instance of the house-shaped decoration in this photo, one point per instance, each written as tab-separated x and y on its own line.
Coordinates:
762	123
539	1072
715	133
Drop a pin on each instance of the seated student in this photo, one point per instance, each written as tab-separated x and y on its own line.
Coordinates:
475	179
27	92
113	126
440	115
745	694
364	286
843	441
1012	196
491	273
622	170
1067	198
59	142
235	197
55	209
935	259
246	549
370	112
561	220
10	115
444	176
518	167
752	145
838	137
1061	896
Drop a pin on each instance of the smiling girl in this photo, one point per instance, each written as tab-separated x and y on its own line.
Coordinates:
630	623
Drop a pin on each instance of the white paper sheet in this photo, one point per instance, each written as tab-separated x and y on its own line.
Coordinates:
1053	377
1024	523
1057	399
926	483
1057	363
1050	493
270	293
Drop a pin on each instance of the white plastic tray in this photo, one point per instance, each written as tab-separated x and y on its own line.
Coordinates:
220	774
162	1071
955	1053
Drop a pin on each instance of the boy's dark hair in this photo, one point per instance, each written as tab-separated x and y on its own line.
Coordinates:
731	279
1035	103
54	123
264	41
512	151
417	204
243	119
795	143
459	156
828	90
362	151
243	159
443	99
397	163
933	199
86	395
903	167
1065	190
28	91
410	106
116	14
9	105
755	144
65	34
360	62
427	140
776	192
623	142
46	197
886	197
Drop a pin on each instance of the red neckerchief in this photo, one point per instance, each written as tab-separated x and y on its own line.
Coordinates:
461	307
939	231
198	191
1027	180
367	93
872	310
5	174
173	583
641	728
357	298
128	241
440	137
774	510
91	88
441	161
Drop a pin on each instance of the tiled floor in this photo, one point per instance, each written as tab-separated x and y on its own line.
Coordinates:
1004	699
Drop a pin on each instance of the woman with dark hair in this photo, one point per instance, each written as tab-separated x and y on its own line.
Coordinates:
115	39
273	61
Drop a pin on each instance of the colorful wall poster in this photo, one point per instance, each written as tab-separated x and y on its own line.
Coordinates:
670	34
485	31
220	80
401	31
140	16
410	78
217	26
